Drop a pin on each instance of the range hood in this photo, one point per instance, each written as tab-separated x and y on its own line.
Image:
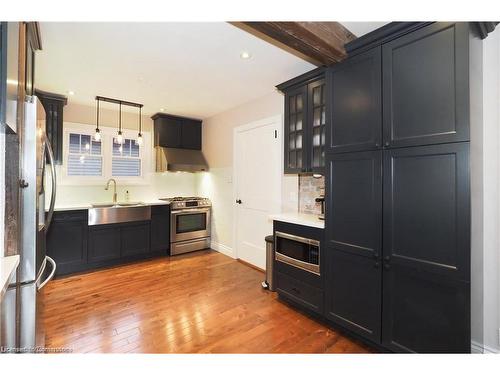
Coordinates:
179	160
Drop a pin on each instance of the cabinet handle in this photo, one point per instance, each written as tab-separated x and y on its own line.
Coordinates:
376	265
387	266
377	144
387	144
375	255
387	258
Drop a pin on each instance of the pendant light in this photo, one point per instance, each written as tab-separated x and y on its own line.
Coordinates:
97	135
119	138
139	136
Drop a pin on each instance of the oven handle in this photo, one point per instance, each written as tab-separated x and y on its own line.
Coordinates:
188	211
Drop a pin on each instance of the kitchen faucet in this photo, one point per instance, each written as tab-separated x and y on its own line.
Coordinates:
114	188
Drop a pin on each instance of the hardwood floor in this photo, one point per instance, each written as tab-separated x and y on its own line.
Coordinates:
202	302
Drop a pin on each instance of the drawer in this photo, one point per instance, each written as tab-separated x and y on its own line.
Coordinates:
299	292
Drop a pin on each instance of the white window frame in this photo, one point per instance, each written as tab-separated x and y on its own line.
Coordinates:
107	134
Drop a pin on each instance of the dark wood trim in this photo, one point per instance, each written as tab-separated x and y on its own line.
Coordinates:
322	43
311	75
382	35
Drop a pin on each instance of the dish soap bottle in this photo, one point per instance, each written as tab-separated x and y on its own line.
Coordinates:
127	196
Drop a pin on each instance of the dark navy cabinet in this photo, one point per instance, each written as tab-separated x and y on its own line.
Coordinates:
160	229
355	108
353	276
67	240
104	243
397	230
305	123
426	86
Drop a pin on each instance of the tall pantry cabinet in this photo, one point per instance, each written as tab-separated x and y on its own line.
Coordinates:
398	199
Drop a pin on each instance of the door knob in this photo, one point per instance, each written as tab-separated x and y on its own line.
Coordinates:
238	201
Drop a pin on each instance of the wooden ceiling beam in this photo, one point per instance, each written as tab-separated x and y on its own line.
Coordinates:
321	43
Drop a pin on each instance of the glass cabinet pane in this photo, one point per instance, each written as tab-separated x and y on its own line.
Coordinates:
299	103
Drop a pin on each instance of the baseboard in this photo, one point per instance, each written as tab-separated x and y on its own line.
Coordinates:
478	348
226	250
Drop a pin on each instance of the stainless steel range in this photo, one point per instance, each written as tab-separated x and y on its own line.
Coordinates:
189	224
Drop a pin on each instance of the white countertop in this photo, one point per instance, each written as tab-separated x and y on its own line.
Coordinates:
8	266
86	207
309	220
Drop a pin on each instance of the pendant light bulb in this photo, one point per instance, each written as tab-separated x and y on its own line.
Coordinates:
119	138
97	135
139	139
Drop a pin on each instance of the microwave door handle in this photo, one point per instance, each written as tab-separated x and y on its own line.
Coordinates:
54	183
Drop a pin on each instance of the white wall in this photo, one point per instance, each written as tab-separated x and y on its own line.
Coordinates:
491	191
217	184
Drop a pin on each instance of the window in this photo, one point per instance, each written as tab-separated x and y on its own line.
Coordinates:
84	156
87	162
126	159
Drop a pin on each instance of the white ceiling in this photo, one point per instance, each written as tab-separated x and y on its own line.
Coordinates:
189	69
362	28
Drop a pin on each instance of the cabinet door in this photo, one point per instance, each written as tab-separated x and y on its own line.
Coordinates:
316	104
426	86
67	244
295	130
354	241
134	239
356	103
427	248
104	243
168	131
160	232
191	134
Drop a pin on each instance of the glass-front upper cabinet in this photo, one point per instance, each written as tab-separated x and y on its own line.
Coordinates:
295	118
305	123
317	121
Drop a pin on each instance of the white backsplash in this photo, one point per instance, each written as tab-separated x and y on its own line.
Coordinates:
161	185
309	189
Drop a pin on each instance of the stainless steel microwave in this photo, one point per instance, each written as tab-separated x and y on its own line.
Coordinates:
299	252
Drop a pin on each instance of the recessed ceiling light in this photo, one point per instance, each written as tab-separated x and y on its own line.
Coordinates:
245	55
162	109
71	93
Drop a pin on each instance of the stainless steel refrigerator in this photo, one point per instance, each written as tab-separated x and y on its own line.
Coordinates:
22	305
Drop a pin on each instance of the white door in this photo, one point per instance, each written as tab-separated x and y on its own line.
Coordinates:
257	183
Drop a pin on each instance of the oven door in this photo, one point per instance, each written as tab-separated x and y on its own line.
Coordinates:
189	224
297	251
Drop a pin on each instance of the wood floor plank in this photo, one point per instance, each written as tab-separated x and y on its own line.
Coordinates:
202	302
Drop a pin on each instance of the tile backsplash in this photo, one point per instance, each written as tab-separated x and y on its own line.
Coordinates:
309	189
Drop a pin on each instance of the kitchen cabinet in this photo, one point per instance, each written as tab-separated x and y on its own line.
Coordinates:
160	229
104	243
67	241
305	123
353	276
426	250
355	107
294	284
426	86
53	104
177	132
135	239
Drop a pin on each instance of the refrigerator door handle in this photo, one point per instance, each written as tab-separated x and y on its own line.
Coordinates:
54	183
51	261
